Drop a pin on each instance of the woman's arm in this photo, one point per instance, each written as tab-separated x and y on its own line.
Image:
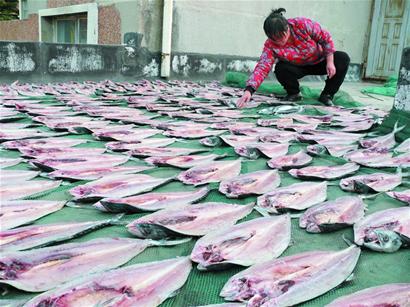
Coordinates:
262	69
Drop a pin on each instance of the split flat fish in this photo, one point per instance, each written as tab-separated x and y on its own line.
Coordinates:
403	147
297	160
244	244
272	150
45	268
192	133
402	161
127	135
211	141
43	143
183	161
332	215
238	140
188	220
117	185
16	176
376	182
221	305
96	172
384	295
384	141
152	201
6	162
19	134
19	190
324	172
139	285
335	150
288	281
366	156
278	137
59	153
42	235
213	172
403	196
163	152
258	182
19	212
385	230
297	196
75	163
151	142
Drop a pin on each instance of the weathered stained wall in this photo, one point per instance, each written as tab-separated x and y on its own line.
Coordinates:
235	27
402	98
142	16
60	3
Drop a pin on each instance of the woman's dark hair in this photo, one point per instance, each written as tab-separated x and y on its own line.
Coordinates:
275	24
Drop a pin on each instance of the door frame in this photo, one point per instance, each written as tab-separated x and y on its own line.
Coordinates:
375	31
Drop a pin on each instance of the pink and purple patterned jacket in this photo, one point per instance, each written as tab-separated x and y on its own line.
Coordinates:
310	44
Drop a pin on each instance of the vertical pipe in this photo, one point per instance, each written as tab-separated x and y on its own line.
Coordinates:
166	38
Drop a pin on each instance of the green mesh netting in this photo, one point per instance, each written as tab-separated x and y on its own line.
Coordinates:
203	288
388	89
310	96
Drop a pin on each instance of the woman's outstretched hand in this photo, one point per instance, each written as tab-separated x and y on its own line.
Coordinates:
246	97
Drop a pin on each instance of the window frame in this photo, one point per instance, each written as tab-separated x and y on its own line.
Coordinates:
90	10
74	17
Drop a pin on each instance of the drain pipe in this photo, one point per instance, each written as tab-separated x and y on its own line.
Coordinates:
166	38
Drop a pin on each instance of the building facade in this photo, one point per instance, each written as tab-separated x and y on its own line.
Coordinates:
207	36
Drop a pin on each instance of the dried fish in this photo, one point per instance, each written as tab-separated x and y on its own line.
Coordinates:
18	190
188	220
117	185
297	160
9	177
291	280
96	172
371	183
46	268
213	172
245	244
151	201
298	196
259	182
384	231
27	237
332	215
19	212
385	295
146	284
384	141
183	161
325	172
403	196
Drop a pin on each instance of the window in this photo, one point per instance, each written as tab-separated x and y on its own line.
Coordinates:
23	9
70	29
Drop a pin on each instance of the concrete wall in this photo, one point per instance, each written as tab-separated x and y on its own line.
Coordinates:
34	6
235	27
402	98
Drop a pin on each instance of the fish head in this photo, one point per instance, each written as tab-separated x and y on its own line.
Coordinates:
386	241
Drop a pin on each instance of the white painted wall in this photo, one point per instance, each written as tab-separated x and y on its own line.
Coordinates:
235	27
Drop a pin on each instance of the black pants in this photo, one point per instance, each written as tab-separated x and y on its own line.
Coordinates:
288	73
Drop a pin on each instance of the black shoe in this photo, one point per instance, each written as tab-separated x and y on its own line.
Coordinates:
291	98
326	99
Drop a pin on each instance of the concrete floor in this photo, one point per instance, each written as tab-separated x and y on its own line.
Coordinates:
353	88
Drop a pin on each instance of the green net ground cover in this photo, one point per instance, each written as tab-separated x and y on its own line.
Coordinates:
203	288
388	89
310	95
